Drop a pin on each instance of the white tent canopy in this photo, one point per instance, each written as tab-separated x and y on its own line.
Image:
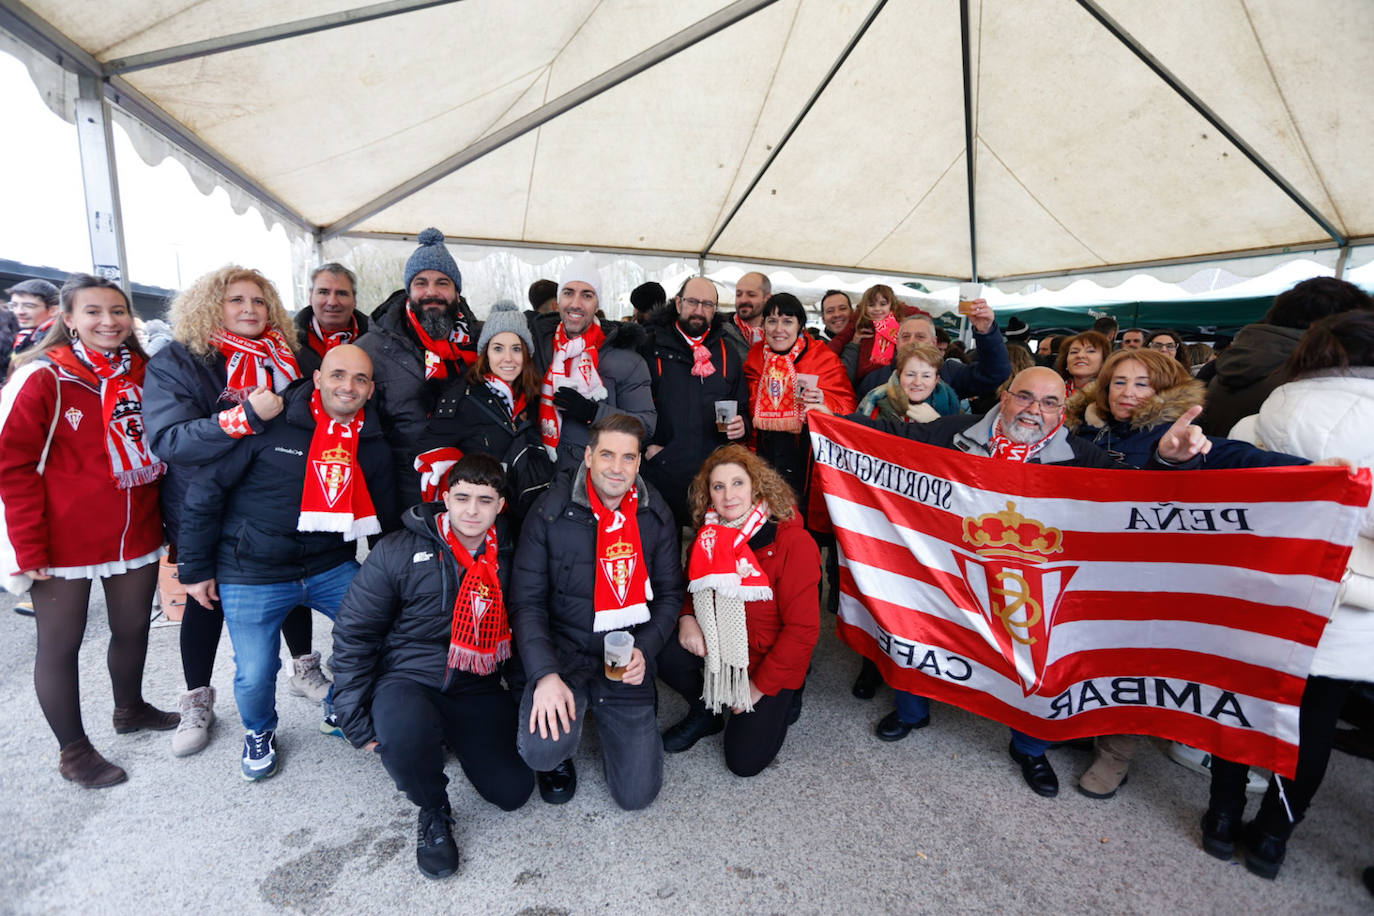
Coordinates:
834	134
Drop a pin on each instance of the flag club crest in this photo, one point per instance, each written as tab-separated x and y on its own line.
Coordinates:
334	467
1015	585
618	565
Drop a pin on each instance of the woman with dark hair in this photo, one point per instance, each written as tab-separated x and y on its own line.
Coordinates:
496	415
1080	356
1325	414
745	640
779	400
219	381
915	393
78	502
875	323
1170	343
1136	398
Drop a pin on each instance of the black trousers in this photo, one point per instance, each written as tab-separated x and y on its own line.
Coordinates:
752	739
1317	716
413	723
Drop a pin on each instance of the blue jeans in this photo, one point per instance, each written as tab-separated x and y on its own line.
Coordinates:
912	708
254	614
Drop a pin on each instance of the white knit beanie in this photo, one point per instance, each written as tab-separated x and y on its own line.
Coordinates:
583	269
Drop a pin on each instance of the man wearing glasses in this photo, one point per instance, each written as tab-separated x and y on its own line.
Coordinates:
1027	426
694	371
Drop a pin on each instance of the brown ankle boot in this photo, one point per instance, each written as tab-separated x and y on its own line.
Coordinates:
144	715
82	764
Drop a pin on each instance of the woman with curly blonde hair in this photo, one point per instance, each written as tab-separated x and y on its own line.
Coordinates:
747	641
874	326
219	381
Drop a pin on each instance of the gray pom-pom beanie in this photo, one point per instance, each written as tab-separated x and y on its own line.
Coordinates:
432	255
506	316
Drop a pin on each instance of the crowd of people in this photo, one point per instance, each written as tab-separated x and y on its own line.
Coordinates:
541	487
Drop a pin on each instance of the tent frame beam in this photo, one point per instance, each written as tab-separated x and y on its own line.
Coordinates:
252	37
966	52
100	179
649	57
37	33
1201	107
792	128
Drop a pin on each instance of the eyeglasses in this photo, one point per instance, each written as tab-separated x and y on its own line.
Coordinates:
698	303
1160	345
1049	403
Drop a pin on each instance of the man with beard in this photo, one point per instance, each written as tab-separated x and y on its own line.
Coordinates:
745	327
591	368
422	341
1026	426
692	368
332	318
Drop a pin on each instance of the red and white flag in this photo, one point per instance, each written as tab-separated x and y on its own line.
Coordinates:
1072	602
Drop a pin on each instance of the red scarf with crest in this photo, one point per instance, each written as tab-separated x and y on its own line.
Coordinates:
573	365
322	343
884	340
621	593
775	401
334	496
251	362
479	636
120	375
457	348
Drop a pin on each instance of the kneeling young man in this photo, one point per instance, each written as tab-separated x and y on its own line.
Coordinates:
598	552
419	647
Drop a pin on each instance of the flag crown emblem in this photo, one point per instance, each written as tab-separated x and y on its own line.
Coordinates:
336	455
620	550
1009	533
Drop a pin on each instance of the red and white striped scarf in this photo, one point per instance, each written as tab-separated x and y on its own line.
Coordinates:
573	365
29	336
702	366
334	496
251	362
479	635
1002	446
515	403
621	591
455	349
120	375
752	335
775	400
317	340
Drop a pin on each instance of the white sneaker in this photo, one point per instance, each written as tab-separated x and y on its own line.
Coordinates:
307	679
1200	761
197	715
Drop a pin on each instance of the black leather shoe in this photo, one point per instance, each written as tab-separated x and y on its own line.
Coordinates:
794	712
866	684
697	724
1219	832
1037	772
559	785
436	853
1264	851
891	728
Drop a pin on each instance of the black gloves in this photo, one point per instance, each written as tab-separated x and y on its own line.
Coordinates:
574	406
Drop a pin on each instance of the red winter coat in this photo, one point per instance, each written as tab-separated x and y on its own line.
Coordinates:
74	515
783	630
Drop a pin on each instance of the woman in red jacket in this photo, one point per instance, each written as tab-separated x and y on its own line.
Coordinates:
78	501
746	635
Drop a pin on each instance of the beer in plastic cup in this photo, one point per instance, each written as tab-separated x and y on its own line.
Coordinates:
725	412
967	293
618	647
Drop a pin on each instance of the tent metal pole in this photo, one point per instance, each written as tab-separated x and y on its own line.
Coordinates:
1341	259
1201	107
104	220
650	57
966	52
252	37
796	123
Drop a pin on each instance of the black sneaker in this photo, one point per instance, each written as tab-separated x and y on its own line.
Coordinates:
259	755
436	854
697	724
559	785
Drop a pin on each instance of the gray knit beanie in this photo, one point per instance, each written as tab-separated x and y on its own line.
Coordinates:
505	316
432	255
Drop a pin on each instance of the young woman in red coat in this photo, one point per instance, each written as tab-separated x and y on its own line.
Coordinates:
78	501
747	632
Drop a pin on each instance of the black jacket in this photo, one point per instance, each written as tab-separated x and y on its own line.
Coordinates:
622	371
396	619
182	396
406	399
1246	373
686	406
307	358
969	433
238	523
550	597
